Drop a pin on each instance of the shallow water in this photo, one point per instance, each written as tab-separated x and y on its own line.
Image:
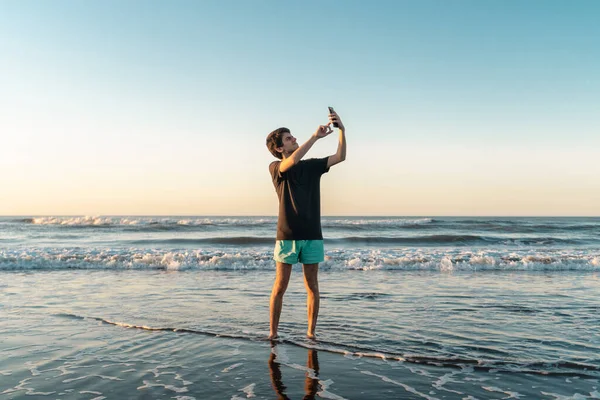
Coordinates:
487	332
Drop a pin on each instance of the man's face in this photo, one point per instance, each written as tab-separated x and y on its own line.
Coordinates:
289	143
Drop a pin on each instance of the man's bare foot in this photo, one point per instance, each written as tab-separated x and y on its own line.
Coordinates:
273	336
311	336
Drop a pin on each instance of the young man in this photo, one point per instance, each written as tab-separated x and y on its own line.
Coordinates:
299	236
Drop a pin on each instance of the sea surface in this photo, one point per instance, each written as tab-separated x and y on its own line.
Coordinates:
412	307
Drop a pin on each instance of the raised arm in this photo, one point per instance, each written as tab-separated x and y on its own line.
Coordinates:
340	154
301	151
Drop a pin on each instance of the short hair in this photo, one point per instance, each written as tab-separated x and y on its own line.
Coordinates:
275	139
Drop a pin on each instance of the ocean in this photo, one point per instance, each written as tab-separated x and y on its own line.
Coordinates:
411	307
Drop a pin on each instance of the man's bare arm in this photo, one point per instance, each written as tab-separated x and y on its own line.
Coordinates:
340	154
301	151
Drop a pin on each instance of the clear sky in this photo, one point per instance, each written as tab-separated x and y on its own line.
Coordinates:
163	107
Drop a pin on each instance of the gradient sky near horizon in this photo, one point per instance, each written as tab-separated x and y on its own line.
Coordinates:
162	108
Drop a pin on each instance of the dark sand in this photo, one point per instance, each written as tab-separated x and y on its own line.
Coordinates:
88	359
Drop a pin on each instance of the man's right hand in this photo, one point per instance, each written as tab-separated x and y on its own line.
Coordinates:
322	131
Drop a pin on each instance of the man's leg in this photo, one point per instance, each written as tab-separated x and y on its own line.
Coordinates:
313	298
281	282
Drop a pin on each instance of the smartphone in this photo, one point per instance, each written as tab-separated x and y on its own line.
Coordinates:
335	125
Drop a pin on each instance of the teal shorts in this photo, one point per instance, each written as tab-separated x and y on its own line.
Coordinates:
295	251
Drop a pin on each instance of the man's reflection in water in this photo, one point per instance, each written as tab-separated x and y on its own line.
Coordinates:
311	384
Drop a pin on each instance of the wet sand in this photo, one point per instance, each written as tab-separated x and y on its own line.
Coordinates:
73	358
81	334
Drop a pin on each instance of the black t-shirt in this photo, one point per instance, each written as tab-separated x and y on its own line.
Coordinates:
299	192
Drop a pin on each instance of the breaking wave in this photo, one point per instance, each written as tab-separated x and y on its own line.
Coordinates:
335	260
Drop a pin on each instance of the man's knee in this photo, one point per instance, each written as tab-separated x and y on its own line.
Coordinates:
311	281
279	288
312	287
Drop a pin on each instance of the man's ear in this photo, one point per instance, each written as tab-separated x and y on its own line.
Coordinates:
279	149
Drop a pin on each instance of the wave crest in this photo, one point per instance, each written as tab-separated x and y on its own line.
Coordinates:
335	260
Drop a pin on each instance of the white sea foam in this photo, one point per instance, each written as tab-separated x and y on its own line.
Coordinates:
231	367
408	388
511	395
233	221
143	221
281	355
249	390
378	221
482	260
88	220
336	260
556	396
325	393
446	265
447	378
105	377
148	384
